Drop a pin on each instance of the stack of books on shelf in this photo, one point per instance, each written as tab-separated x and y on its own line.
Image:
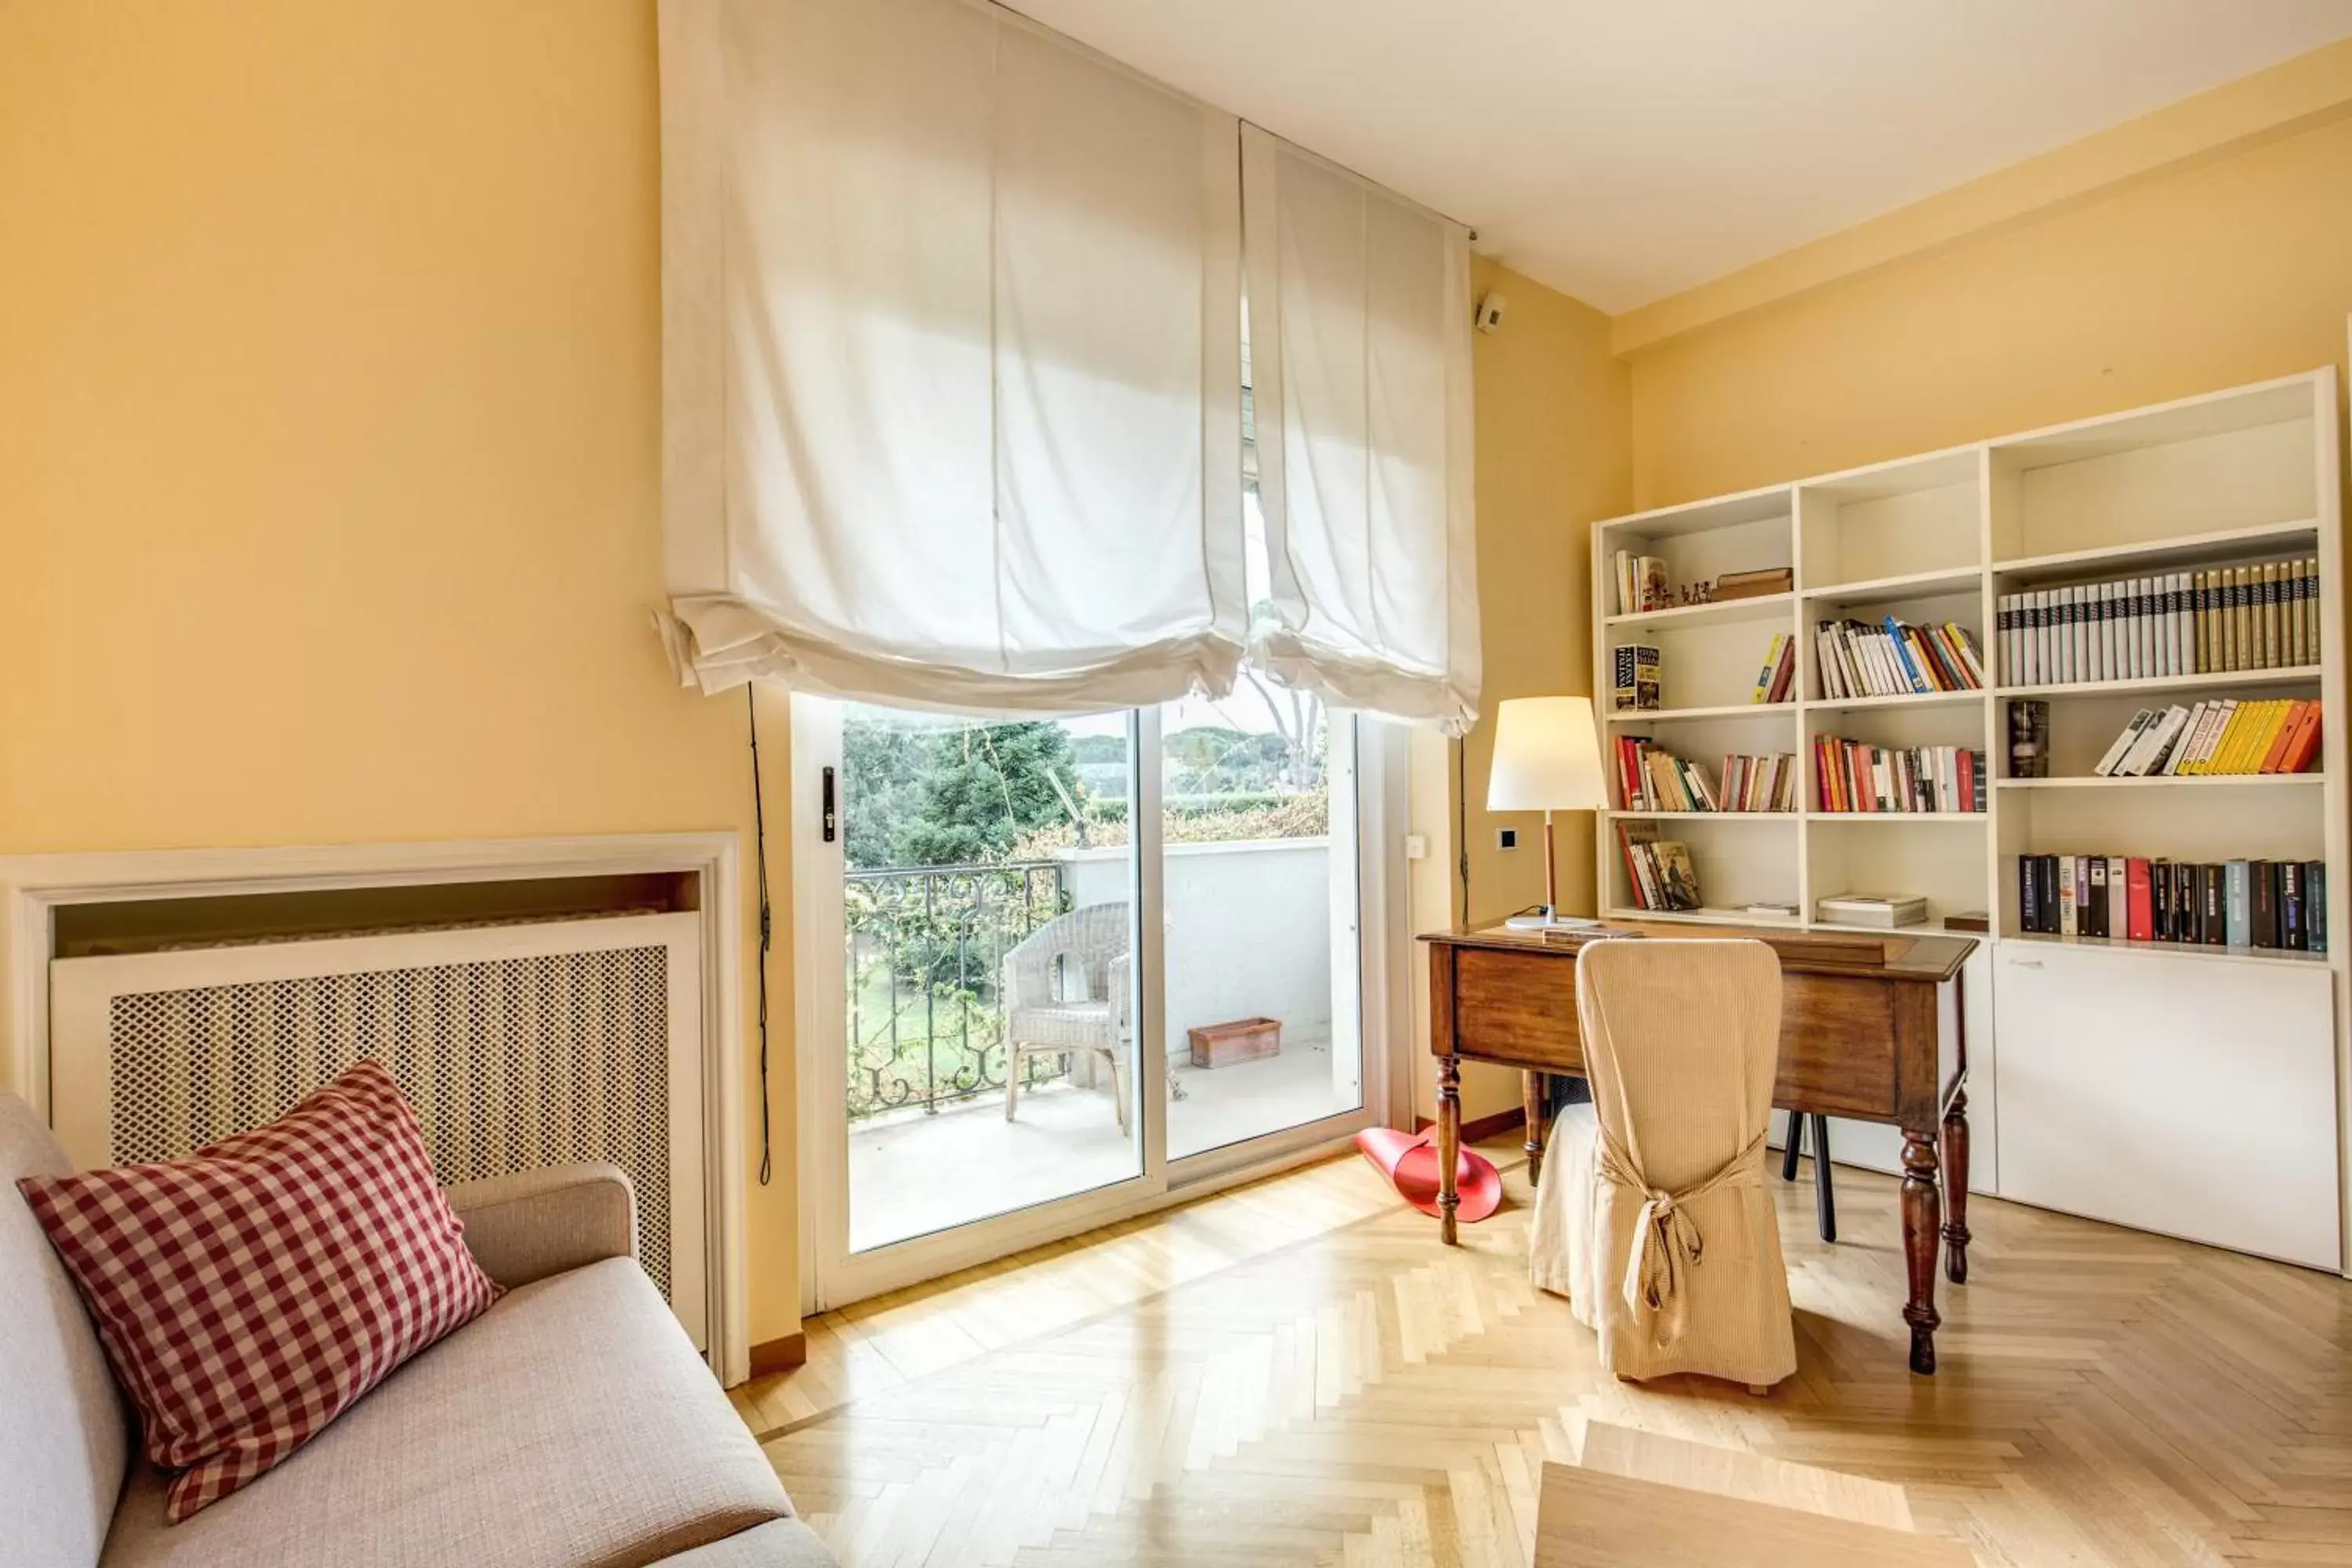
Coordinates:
1634	679
2279	904
1642	583
1658	870
1779	677
1651	778
1895	658
2182	623
1854	776
1753	584
2280	735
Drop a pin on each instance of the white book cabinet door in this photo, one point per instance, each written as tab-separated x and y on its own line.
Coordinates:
2193	1096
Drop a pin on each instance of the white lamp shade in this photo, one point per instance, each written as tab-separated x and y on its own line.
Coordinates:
1547	756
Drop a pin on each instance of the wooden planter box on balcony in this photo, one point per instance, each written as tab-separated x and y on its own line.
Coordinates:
1241	1040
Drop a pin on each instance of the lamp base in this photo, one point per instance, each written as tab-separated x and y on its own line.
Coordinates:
1552	919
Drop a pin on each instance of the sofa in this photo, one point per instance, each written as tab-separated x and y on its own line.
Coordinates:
571	1424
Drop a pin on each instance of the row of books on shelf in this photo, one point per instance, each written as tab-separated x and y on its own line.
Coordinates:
2181	623
1778	679
2278	735
2279	904
1651	778
1895	658
1855	776
1658	870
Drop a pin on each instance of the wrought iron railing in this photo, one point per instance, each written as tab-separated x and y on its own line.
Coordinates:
926	944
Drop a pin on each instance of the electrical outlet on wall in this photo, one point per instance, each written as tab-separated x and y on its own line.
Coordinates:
1507	838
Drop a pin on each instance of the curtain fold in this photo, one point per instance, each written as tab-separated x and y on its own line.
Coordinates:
1359	323
951	362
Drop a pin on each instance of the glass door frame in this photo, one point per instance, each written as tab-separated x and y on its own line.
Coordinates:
833	1275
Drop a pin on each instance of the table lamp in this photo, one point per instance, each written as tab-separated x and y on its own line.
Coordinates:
1547	759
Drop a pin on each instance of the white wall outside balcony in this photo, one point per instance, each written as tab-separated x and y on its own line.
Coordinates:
1248	931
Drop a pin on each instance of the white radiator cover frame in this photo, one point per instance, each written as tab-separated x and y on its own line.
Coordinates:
82	993
33	887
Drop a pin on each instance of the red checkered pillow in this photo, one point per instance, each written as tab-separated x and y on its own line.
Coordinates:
247	1294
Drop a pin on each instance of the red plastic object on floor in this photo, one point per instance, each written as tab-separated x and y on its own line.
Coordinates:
1410	1163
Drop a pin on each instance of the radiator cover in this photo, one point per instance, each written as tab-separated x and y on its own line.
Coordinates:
520	1046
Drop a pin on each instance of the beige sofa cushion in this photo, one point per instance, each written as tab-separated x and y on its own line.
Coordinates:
62	1437
571	1424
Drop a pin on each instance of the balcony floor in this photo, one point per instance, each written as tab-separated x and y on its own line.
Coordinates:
912	1174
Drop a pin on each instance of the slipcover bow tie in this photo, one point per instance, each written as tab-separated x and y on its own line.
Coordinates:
1666	1240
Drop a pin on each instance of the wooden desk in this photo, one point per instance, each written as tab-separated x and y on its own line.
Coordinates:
1858	1039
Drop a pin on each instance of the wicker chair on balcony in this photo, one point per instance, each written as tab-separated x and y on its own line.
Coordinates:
1065	992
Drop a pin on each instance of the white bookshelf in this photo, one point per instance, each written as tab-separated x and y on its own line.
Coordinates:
2232	477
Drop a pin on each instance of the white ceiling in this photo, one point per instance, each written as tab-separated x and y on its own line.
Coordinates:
1627	150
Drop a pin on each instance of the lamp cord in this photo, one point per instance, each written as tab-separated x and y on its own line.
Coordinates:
767	926
1461	831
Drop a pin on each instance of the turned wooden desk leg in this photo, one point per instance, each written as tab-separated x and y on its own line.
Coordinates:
1449	1143
1956	1188
1922	1222
1535	1101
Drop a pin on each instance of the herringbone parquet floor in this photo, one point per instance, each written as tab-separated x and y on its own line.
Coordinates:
1298	1373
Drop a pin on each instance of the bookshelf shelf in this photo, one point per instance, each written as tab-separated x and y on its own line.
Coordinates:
1909	585
2175	950
1729	612
1897	818
2171	781
2074	1042
1722	711
2213	680
1874	704
1707	816
1703	917
2219	546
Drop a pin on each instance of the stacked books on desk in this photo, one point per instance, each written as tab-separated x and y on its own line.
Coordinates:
2278	735
2234	903
2182	623
1855	776
1651	778
1876	910
1895	658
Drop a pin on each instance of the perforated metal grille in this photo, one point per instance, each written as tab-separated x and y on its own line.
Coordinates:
513	1064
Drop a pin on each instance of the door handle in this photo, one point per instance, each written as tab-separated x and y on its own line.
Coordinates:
826	807
2025	962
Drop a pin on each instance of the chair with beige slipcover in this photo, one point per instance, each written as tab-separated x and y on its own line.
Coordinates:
1651	1215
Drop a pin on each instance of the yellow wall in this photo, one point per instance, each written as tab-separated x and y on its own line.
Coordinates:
330	457
330	424
2219	270
329	341
1553	437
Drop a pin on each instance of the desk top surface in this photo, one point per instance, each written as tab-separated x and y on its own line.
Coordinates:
1896	955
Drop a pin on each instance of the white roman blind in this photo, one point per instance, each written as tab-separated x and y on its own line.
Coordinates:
1359	347
951	360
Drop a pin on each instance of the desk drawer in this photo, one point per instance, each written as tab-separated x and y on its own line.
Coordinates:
1516	1007
1837	1045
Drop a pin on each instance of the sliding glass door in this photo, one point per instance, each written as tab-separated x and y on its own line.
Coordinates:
1260	916
1051	970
